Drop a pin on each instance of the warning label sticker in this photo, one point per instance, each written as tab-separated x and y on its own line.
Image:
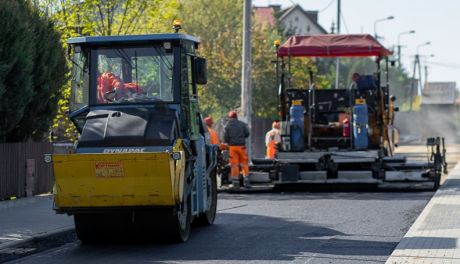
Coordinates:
108	169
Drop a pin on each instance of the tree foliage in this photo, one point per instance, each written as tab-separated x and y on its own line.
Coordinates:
102	18
32	71
219	25
398	78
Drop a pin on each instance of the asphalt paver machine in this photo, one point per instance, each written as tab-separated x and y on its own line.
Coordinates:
343	135
143	163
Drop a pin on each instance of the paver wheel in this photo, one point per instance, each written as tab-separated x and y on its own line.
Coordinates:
208	217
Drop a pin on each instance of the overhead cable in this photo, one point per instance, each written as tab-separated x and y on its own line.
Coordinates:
327	6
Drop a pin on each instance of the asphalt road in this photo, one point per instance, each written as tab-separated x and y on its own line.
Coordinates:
343	227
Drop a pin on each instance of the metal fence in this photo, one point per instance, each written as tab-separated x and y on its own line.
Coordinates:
23	171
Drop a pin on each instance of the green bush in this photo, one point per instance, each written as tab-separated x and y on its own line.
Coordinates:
32	71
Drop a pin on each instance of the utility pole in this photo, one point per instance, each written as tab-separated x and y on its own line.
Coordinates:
246	91
338	16
414	84
426	75
337	64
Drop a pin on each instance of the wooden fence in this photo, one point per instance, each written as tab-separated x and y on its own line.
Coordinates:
23	171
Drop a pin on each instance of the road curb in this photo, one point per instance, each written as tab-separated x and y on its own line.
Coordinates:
5	204
414	231
38	236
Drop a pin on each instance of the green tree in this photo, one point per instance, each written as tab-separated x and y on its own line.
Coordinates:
101	18
398	78
264	87
32	71
219	25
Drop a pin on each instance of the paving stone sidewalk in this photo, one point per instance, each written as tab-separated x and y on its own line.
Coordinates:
26	218
435	235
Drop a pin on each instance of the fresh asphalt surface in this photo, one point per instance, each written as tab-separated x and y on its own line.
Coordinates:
302	227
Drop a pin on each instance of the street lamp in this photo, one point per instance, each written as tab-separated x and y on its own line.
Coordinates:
421	45
399	44
414	88
380	20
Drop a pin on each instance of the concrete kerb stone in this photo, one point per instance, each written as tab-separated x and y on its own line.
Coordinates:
37	236
23	201
420	243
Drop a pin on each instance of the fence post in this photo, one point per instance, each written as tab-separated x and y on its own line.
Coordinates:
30	177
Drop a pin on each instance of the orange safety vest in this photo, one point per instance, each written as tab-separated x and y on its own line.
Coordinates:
214	137
271	144
108	81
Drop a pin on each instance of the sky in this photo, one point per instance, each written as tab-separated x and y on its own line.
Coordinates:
435	21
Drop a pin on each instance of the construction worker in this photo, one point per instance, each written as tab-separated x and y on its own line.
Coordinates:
272	141
111	88
354	80
235	134
212	133
391	110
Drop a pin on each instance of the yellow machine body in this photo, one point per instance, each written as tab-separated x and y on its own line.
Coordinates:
118	180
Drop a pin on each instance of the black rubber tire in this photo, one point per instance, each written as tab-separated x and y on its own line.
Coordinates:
87	227
209	216
102	227
177	226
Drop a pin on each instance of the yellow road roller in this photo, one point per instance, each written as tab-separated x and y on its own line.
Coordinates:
143	164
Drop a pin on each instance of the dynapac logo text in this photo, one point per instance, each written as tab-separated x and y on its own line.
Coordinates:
125	150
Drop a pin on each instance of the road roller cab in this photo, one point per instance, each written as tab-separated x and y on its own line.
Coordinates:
143	163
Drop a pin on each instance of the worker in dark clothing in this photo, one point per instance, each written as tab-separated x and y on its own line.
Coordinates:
235	134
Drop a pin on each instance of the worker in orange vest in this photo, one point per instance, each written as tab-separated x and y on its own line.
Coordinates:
272	141
212	133
111	88
235	134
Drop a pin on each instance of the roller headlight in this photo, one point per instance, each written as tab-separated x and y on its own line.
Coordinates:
176	155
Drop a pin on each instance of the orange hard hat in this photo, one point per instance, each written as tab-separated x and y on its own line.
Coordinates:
208	120
276	125
232	114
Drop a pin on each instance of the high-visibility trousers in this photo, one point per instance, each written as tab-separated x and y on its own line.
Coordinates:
271	150
238	160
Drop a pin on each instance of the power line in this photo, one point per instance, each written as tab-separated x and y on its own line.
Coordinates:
327	6
344	22
447	65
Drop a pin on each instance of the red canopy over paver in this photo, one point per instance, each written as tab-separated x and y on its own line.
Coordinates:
354	45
